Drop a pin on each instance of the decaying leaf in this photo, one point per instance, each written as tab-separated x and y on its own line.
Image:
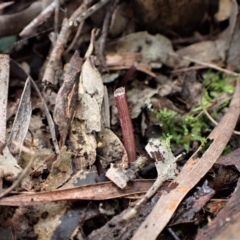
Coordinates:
120	176
83	144
88	110
53	212
42	163
91	81
165	160
22	119
126	60
82	177
60	172
9	164
90	95
140	98
153	48
111	149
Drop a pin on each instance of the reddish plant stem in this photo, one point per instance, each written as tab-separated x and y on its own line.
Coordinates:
126	123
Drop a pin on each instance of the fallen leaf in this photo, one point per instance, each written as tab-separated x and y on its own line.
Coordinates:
22	120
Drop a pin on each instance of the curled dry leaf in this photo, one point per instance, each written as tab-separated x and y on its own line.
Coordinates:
91	81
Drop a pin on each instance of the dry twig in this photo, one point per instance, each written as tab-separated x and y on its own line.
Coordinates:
126	123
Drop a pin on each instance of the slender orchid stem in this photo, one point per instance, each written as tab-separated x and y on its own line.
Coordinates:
126	123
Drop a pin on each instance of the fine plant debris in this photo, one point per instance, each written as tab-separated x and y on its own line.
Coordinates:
119	119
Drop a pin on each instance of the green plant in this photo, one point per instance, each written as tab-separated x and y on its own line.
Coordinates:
218	83
183	130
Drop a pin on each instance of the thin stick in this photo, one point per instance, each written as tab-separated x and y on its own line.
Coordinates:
73	43
56	16
83	15
126	123
210	65
215	122
105	30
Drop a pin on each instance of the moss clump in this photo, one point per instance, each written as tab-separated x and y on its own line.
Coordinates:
194	126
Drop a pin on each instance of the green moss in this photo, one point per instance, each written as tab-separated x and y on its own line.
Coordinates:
193	126
181	130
